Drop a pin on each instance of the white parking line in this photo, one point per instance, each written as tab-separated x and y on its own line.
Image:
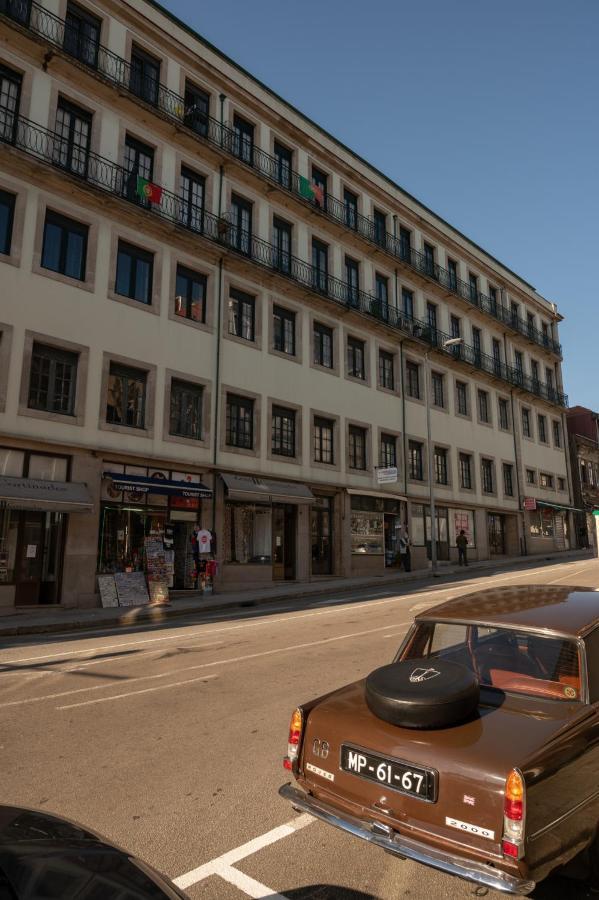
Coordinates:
227	860
161	687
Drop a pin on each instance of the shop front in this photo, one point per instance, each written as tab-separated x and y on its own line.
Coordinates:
262	532
548	526
375	526
321	533
36	501
421	530
139	502
462	520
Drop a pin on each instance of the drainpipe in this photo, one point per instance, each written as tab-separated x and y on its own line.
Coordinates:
222	98
217	386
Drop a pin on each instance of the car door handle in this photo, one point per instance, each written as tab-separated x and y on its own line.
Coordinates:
382	807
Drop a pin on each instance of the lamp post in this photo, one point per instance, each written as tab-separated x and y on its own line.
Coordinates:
451	342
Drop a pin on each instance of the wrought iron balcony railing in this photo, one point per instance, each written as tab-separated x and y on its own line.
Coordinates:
117	70
180	210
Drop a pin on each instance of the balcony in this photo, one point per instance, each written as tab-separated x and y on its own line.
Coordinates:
116	70
90	168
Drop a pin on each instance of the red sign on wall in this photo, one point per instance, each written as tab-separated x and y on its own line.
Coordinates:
530	503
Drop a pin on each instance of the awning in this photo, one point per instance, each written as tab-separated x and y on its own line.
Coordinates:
386	495
558	506
144	485
33	493
260	490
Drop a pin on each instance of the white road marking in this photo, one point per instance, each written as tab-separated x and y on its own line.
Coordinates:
207	665
239	853
570	576
247	885
161	687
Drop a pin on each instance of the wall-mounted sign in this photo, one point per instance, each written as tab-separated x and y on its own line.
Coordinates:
530	504
386	476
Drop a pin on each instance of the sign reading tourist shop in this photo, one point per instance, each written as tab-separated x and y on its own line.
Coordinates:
141	484
386	476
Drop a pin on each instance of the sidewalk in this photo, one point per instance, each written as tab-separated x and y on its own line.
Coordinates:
57	620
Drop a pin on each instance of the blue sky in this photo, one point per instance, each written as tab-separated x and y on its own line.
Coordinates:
484	110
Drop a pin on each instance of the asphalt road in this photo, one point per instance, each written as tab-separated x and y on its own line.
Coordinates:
169	739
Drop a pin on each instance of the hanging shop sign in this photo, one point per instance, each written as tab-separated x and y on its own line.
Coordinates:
386	476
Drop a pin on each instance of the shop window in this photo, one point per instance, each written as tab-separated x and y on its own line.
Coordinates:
417	531
123	531
242	315
248	534
65	246
283	431
388	451
386	370
462	520
144	78
240	422
9	531
324	450
186	409
190	295
357	447
415	452
52	380
367	533
356	366
7	215
10	95
283	330
323	345
126	401
81	35
541	523
134	273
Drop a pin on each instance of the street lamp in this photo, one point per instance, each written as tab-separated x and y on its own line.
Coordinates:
450	342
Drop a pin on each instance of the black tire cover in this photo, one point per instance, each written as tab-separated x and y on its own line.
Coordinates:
422	693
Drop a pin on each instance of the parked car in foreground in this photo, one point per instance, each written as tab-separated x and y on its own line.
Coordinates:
476	751
44	856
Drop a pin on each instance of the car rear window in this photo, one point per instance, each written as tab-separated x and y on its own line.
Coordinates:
503	658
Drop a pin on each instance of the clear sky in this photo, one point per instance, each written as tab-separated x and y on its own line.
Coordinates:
485	110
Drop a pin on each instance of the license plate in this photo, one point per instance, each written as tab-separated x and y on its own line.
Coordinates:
398	776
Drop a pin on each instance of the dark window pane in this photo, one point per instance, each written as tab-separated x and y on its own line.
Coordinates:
190	295
126	400
186	410
134	273
81	35
64	247
239	423
52	380
145	76
283	431
7	210
10	93
197	106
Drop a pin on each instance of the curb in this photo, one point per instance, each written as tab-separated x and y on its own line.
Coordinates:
147	616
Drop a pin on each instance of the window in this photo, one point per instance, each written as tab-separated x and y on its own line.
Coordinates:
493	299
407	300
126	401
452	271
240	422
190	295
488	474
545	480
476	345
283	431
10	95
323	345
465	471
526	429
542	425
381	287
413	380
541	523
415	459
437	383
357	447
534	371
241	224
242	315
323	441
81	35
139	163
352	280
380	227
386	370
350	203
320	180
192	191
455	324
431	317
283	158
144	80
65	246
557	434
186	410
73	128
7	215
549	381
243	140
355	358
282	243
440	465
496	357
429	260
508	480
531	477
462	397
197	109
530	324
283	330
561	484
134	273
473	283
483	406
52	380
320	265
519	365
405	243
545	332
388	451
515	314
504	417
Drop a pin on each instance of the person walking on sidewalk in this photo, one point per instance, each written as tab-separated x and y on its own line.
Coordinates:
404	551
462	545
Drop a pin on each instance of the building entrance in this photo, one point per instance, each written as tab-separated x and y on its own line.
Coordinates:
283	542
321	533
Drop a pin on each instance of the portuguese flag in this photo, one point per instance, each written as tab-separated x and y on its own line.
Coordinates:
148	191
311	191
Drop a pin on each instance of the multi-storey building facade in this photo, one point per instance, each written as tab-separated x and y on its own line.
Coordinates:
201	286
583	438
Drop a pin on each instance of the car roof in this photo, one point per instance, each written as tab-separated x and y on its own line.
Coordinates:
566	610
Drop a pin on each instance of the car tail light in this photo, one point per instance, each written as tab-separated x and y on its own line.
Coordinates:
512	842
295	736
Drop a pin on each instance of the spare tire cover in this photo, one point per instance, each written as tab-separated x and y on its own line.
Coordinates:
422	693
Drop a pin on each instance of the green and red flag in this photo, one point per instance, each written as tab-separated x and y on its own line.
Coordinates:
306	188
148	191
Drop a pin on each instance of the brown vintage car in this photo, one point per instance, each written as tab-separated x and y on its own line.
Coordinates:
476	751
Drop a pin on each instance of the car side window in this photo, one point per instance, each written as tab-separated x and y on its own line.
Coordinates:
591	643
448	637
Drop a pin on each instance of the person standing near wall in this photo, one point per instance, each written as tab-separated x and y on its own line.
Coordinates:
462	545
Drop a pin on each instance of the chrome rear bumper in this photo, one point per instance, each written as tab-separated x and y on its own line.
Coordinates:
383	836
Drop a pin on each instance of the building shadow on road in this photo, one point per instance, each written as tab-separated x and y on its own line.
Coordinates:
326	892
